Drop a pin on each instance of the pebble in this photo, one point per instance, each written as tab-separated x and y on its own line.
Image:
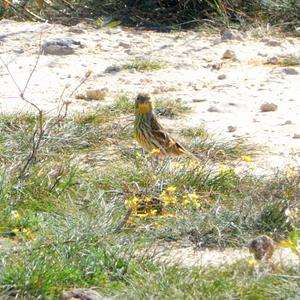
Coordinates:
124	45
214	109
273	60
61	46
222	77
266	107
272	43
296	136
229	54
231	128
288	122
84	294
290	71
231	35
199	100
112	69
216	66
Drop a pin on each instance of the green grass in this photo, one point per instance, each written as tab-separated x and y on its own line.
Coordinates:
291	61
143	65
63	212
170	108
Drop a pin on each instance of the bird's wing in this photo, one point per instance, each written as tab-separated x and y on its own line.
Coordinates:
164	139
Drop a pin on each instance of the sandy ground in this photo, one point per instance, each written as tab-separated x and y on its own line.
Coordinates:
188	75
189	256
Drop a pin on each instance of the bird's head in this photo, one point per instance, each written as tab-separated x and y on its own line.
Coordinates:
143	104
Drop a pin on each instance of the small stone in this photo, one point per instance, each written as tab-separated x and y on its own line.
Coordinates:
229	54
231	128
214	109
18	50
272	43
124	45
76	29
222	77
216	66
262	54
231	35
290	71
296	136
61	46
112	69
288	122
266	107
83	294
199	100
273	60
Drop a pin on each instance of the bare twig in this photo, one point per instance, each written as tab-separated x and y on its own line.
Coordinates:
124	221
87	75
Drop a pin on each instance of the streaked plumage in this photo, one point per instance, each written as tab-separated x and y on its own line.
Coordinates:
149	133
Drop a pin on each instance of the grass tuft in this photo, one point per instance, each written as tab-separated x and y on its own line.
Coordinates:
143	65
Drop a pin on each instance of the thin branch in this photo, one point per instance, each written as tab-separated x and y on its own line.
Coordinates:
124	221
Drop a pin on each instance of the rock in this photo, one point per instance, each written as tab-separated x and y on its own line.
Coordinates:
266	107
222	77
296	136
18	50
214	109
272	43
288	122
231	128
199	100
231	35
290	71
61	46
81	294
76	29
112	69
124	45
262	54
216	66
229	54
274	60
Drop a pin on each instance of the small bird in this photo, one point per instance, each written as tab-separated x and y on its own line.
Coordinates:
150	134
262	247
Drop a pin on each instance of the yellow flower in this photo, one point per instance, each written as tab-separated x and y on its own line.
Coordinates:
138	155
247	158
222	167
288	243
176	165
171	188
15	215
193	196
25	230
153	212
132	203
155	151
154	177
16	230
167	215
142	215
252	262
185	201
